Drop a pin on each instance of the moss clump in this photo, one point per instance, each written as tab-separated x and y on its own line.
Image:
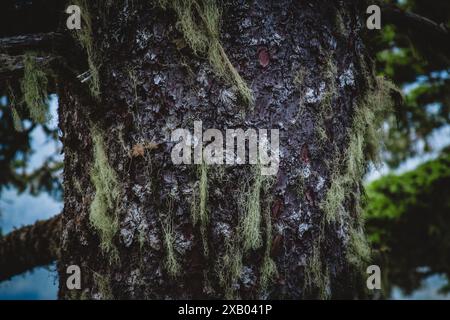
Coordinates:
34	88
200	23
103	212
84	36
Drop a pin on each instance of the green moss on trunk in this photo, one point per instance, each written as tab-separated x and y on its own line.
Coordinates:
103	211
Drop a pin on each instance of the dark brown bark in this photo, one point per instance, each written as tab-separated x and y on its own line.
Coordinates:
40	42
306	71
29	247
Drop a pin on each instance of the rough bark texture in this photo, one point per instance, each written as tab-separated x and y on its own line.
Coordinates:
29	247
303	61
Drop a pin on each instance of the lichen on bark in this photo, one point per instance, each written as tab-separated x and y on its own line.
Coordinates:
103	210
86	40
200	23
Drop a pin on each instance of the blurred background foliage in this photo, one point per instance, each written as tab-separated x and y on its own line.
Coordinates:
407	215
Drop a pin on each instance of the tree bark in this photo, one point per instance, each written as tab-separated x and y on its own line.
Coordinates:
29	247
306	66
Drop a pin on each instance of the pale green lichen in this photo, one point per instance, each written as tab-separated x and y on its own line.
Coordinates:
199	210
317	275
17	122
103	285
103	211
200	23
34	88
203	187
171	263
250	225
229	268
268	269
363	145
85	37
358	250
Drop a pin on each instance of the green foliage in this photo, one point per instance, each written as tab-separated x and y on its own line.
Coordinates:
408	223
200	24
103	211
34	88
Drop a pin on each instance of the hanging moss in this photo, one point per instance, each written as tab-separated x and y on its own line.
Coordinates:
317	275
268	269
251	222
229	268
171	264
84	36
363	145
358	250
200	24
34	88
199	211
103	212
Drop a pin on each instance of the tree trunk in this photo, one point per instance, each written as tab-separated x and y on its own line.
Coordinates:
140	226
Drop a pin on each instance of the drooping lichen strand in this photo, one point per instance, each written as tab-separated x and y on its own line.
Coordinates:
251	221
103	285
171	264
363	145
358	248
200	24
84	36
316	274
199	210
34	88
103	211
16	120
268	268
203	194
229	268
